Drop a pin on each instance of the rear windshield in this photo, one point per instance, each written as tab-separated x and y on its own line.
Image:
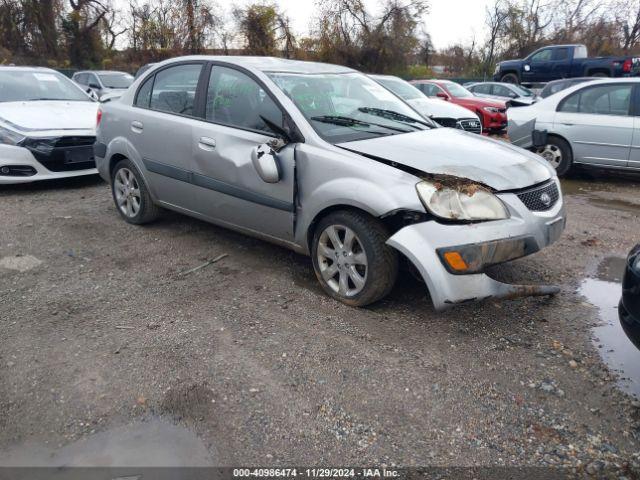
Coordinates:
26	85
116	80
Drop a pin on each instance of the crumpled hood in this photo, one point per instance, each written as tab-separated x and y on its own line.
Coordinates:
440	109
447	151
48	115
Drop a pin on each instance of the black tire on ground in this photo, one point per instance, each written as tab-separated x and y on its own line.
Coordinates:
510	78
148	210
382	260
566	162
599	74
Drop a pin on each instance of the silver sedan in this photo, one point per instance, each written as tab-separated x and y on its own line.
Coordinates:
594	123
323	160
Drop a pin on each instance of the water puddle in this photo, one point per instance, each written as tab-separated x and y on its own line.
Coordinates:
615	343
154	443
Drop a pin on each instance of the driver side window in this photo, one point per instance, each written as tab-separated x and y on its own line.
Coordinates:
235	99
542	56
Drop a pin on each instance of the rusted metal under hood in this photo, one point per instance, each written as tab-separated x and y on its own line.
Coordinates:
446	151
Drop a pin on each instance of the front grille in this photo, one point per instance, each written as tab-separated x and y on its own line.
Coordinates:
447	122
470	125
542	198
63	154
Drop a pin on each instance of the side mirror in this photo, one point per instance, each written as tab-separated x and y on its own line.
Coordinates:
442	95
94	85
265	161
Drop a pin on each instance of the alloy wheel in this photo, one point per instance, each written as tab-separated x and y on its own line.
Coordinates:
127	192
342	260
552	154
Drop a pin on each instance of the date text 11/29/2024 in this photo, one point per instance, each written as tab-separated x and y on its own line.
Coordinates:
315	473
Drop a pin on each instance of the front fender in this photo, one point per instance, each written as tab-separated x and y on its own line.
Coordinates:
357	193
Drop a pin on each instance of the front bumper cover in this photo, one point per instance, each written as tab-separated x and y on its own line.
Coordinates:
485	244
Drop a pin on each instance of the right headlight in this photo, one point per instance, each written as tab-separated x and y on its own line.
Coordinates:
464	203
497	69
9	137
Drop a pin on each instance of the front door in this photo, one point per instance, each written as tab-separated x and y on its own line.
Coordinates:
597	122
229	188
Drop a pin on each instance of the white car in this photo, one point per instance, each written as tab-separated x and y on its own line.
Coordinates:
446	114
47	126
591	124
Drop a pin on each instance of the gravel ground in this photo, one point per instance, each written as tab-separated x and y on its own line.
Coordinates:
102	328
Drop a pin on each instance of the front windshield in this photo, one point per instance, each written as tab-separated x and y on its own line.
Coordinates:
349	106
116	80
31	85
524	92
403	89
457	90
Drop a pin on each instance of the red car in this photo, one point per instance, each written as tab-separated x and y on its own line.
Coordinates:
492	113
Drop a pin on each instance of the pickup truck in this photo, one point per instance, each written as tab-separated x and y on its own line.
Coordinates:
564	61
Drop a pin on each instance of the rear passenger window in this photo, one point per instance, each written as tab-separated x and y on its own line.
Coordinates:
234	98
144	93
604	100
174	89
485	89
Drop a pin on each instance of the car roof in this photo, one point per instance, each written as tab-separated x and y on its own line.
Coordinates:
268	64
100	71
14	68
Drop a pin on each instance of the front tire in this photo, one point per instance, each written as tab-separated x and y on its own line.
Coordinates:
510	78
131	195
559	155
351	259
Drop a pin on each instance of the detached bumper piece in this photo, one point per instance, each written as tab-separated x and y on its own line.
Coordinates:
62	154
475	257
452	258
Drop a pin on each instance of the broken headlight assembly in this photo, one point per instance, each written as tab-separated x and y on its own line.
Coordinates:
9	137
466	202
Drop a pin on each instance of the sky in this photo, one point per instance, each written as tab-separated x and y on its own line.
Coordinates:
448	21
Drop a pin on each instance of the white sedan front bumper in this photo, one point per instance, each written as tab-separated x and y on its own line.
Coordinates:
486	243
15	156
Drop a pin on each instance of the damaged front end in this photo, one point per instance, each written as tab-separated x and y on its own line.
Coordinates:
453	250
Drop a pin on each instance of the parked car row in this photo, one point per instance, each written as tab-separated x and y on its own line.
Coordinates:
353	170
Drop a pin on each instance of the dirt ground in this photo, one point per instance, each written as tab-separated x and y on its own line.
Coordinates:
102	328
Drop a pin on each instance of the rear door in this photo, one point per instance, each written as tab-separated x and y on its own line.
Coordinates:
597	122
560	63
161	126
228	187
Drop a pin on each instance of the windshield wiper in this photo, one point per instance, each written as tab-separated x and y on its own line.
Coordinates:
392	115
353	122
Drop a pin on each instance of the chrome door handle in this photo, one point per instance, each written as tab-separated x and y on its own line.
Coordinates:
568	124
206	143
136	126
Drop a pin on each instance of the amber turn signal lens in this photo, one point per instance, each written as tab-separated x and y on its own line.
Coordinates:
455	261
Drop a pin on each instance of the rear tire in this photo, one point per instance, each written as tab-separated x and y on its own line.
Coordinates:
599	75
510	78
558	153
131	195
351	259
